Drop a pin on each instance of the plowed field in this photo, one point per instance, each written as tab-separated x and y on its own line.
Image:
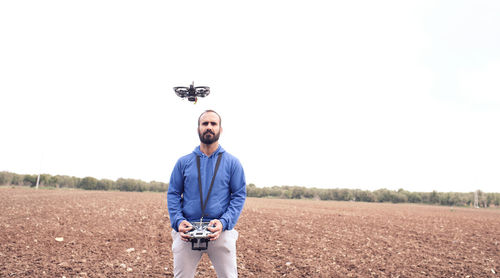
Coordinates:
71	233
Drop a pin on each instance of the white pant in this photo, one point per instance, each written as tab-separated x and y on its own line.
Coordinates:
222	253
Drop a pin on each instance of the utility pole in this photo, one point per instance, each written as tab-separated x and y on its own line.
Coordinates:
476	199
38	180
39	172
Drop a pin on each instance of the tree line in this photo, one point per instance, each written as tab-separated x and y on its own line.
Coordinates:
283	192
380	195
88	183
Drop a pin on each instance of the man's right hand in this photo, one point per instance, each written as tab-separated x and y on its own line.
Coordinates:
184	227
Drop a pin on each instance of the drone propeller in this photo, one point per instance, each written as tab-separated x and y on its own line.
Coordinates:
202	91
181	91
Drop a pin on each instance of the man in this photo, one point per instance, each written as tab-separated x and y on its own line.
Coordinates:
222	208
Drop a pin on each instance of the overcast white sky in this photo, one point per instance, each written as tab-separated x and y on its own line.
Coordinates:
331	94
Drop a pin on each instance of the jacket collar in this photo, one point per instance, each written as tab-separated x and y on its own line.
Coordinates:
198	152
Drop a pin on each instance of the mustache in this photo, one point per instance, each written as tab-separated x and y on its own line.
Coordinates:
208	131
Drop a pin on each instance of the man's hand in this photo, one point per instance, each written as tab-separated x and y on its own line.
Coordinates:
215	226
184	227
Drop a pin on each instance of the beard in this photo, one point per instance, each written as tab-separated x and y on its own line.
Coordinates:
208	137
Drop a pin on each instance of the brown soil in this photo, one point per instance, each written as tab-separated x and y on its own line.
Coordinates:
278	238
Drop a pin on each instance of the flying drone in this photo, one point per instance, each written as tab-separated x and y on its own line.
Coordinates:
192	93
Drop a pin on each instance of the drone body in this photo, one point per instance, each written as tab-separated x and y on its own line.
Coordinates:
192	93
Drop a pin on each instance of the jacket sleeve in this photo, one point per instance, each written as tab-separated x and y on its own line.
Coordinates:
174	196
238	194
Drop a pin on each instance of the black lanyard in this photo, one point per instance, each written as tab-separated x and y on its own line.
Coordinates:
203	205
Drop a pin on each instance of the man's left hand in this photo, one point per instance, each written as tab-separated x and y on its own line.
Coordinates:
215	226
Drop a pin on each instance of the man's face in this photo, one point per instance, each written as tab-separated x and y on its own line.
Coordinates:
209	128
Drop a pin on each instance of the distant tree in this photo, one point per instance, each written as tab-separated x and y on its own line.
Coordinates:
444	199
414	197
130	185
497	199
334	194
6	178
251	190
17	179
67	181
383	195
104	184
44	179
345	195
398	197
364	196
325	194
286	193
53	181
456	199
157	186
309	193
297	192
30	180
274	191
434	197
88	183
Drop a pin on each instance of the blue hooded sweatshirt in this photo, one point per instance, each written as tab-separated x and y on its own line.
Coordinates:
228	193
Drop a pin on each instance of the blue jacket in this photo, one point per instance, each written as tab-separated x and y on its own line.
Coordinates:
228	193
